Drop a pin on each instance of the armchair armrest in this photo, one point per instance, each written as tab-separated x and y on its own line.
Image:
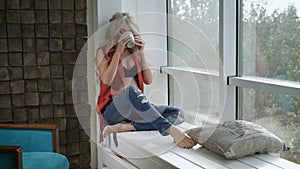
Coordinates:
16	151
31	137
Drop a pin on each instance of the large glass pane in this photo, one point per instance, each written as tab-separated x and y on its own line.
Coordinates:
193	44
279	113
270	41
203	16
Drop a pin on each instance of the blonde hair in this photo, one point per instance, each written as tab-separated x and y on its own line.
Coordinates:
116	23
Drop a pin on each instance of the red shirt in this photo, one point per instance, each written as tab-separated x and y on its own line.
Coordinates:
107	92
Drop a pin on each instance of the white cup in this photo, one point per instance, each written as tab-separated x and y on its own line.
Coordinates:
130	44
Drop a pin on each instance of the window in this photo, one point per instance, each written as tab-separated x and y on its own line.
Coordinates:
269	55
193	59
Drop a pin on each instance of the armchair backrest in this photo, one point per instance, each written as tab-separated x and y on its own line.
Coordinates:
31	137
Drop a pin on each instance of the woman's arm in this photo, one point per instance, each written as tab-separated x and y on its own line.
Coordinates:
107	70
147	73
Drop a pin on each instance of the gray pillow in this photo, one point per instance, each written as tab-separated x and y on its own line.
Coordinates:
238	138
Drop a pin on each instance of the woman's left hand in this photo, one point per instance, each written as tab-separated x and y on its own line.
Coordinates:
139	42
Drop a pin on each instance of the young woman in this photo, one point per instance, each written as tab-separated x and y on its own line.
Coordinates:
124	70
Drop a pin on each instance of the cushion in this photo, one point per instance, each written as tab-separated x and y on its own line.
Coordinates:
44	160
238	138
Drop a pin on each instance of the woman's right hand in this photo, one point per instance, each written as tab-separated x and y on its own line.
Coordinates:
122	42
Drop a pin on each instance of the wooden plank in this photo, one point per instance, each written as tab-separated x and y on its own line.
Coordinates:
197	158
257	163
177	161
280	162
222	160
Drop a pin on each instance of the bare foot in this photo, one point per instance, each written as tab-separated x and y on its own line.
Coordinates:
180	138
119	127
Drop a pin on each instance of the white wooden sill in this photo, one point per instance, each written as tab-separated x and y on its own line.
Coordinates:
160	152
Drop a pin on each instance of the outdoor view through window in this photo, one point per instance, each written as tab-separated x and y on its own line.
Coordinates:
270	48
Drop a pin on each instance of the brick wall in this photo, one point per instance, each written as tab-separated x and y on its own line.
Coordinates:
39	44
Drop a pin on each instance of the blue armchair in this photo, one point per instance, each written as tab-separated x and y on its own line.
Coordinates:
30	146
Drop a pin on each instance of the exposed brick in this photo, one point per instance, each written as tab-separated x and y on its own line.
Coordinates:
58	98
69	57
15	59
4	59
46	112
72	123
6	115
44	72
68	17
29	59
69	44
57	85
55	58
5	101
2	29
56	71
12	4
2	15
83	110
56	45
43	58
85	161
67	5
55	16
31	85
62	137
33	114
27	16
44	85
45	98
55	4
68	84
13	30
81	30
27	4
60	111
28	45
85	148
3	45
20	115
15	73
72	149
84	135
41	4
18	100
80	17
4	73
31	72
62	123
41	16
68	71
62	147
55	30
4	87
31	99
2	4
68	98
73	136
17	86
80	5
15	45
42	44
74	160
13	16
69	30
28	30
41	31
71	111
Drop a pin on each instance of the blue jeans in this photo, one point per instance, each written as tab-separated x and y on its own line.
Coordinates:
131	105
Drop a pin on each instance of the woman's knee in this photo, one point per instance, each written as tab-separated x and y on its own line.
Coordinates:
137	98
